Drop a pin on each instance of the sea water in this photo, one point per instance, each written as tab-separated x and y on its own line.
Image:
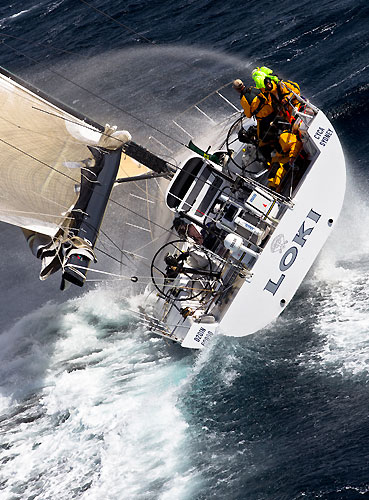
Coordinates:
91	406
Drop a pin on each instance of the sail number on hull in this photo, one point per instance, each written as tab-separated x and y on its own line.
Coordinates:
203	336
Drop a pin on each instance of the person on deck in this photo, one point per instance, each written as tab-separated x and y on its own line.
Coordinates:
281	93
247	95
256	103
176	266
289	148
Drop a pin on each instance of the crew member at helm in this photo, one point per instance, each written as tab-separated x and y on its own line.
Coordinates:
175	265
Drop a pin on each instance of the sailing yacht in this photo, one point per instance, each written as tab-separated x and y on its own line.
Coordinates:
237	247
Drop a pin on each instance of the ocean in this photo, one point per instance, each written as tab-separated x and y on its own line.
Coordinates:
91	406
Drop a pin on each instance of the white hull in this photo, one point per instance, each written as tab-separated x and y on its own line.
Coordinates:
296	231
296	242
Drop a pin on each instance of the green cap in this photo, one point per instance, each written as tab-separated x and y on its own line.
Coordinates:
258	79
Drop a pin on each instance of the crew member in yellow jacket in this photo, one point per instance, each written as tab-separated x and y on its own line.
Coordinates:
281	92
255	103
289	148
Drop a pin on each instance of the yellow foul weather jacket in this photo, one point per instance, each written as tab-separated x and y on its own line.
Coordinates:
290	148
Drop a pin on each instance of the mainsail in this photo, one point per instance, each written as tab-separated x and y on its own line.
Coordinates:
57	170
41	150
48	167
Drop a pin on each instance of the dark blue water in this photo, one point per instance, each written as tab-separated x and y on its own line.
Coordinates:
90	407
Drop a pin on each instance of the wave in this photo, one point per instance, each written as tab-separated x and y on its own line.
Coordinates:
18	14
88	396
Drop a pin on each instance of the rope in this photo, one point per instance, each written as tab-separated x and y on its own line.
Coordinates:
120	249
36	159
121	277
34	213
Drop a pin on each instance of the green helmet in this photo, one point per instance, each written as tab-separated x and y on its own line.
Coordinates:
259	75
266	70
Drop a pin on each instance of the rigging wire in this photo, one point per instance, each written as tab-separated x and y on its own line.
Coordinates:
38	160
117	22
146	278
110	256
106	101
36	43
126	253
120	249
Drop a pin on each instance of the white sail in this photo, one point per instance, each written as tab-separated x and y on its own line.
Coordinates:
57	169
40	148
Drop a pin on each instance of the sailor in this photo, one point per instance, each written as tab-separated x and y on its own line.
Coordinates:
187	230
281	93
176	265
256	103
247	94
289	147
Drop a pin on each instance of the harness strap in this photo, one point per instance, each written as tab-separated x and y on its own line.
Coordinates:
262	102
